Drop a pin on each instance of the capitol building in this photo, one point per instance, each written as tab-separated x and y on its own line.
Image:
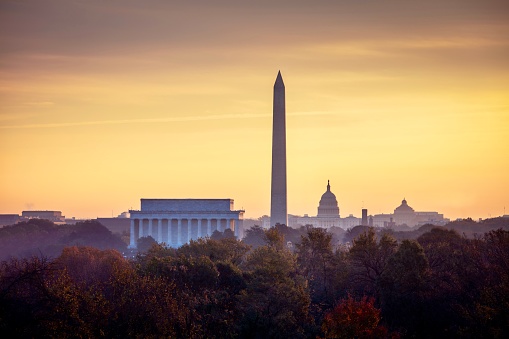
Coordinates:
329	216
406	215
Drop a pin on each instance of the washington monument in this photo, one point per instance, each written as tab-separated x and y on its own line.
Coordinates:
278	207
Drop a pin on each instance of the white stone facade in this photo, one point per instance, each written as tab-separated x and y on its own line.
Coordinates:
177	221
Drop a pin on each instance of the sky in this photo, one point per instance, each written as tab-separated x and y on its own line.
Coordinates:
106	102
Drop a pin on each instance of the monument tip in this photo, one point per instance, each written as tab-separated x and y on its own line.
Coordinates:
279	79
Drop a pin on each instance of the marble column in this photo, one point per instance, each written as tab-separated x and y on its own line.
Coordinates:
159	230
140	231
179	232
132	243
189	223
199	228
209	227
169	232
150	228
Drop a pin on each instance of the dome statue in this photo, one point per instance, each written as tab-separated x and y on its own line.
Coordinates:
328	206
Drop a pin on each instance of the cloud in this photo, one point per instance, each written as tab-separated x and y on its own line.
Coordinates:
136	121
40	103
158	120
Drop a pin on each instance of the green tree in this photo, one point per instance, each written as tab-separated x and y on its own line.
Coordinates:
145	243
484	275
368	259
324	269
254	237
404	283
24	295
93	233
225	249
275	302
88	265
207	280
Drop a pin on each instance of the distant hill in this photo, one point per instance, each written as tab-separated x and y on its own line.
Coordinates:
42	237
466	227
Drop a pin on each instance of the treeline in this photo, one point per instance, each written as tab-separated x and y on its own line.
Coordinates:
441	284
39	237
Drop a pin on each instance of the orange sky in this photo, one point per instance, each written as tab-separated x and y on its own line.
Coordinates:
106	102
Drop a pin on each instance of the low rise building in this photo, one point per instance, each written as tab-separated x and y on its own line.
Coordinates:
177	221
54	216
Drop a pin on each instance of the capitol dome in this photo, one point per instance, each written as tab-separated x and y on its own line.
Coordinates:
328	206
404	214
403	208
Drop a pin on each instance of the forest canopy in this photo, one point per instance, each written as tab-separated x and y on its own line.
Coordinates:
439	284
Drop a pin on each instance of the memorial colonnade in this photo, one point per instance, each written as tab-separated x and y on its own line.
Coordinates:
178	230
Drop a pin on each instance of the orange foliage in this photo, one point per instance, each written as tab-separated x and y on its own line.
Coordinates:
355	319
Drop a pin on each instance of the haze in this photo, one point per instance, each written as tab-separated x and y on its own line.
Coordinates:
106	102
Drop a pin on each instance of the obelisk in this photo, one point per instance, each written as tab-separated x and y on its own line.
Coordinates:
278	207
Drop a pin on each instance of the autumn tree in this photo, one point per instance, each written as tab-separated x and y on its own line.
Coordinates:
254	237
90	266
484	301
207	278
225	249
404	283
324	268
275	301
24	295
143	244
355	319
368	259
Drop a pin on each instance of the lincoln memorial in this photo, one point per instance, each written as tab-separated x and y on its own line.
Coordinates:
177	221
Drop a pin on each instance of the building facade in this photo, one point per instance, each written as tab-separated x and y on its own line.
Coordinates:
9	219
177	221
328	210
54	216
328	214
406	215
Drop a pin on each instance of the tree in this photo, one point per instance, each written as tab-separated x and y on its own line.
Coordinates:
93	233
324	269
484	304
274	239
254	237
225	249
444	250
275	302
354	319
24	295
145	243
368	258
90	266
355	232
227	233
206	279
403	285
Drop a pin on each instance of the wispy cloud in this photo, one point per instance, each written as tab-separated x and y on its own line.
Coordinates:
39	103
135	121
155	120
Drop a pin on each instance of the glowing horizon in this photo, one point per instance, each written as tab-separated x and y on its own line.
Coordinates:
102	104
